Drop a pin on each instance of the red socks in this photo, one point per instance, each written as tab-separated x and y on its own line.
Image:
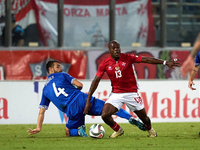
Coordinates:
115	127
148	127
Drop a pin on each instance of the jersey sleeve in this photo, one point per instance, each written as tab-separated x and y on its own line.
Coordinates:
44	102
135	58
69	77
101	69
197	60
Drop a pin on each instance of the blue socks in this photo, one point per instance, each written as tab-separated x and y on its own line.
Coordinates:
73	132
123	114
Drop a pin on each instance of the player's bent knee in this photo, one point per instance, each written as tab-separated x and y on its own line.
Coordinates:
105	116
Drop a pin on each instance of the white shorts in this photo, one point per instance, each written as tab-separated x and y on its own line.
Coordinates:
132	100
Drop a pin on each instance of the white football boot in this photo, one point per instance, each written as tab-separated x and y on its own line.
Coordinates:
152	133
118	133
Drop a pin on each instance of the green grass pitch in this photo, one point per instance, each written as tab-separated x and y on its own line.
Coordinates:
173	136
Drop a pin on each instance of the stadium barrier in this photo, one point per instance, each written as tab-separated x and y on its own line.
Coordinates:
164	100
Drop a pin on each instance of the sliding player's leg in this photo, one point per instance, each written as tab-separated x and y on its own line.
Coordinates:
73	124
124	114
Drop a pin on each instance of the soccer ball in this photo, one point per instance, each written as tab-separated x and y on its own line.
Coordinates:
97	131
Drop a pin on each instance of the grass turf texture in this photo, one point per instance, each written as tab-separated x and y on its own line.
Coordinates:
183	136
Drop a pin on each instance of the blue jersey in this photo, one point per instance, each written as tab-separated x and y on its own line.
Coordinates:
197	60
60	91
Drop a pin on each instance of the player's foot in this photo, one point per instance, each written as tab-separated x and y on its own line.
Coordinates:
118	133
140	125
152	133
82	131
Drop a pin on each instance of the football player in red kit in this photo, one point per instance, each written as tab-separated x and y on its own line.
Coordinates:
119	67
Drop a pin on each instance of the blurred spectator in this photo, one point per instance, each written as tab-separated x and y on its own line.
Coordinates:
17	34
191	9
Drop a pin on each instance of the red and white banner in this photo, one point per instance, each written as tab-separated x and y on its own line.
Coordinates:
31	65
23	10
88	21
164	101
25	16
84	21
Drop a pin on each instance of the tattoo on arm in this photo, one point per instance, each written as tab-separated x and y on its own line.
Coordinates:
194	52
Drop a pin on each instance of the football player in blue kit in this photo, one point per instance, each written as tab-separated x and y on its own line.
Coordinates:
64	92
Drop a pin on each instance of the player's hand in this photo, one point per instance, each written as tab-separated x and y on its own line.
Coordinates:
187	66
87	107
190	83
33	131
173	63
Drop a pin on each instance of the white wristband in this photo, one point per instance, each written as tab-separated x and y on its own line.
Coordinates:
164	62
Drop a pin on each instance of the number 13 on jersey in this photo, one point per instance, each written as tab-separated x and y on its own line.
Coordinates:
118	73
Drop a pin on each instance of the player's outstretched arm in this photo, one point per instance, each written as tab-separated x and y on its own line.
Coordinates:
93	87
192	76
173	63
152	60
190	84
187	65
189	62
39	122
196	47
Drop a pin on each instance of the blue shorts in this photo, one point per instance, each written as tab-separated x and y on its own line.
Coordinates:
78	119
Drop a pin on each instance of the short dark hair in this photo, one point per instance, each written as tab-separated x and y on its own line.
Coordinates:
111	42
50	63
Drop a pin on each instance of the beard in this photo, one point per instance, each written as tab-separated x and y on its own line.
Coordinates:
55	71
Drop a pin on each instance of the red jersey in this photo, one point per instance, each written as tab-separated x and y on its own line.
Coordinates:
120	72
